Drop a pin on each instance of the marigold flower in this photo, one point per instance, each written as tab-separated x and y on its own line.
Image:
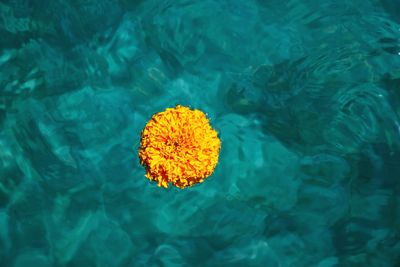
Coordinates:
179	146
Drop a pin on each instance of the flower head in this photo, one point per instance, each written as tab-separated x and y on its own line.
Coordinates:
179	146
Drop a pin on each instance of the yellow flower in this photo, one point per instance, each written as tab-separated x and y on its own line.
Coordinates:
179	146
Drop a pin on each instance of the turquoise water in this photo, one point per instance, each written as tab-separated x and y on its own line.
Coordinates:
304	94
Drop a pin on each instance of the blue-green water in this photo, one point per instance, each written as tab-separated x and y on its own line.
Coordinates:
304	94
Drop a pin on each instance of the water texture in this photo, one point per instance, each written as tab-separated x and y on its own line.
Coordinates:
304	94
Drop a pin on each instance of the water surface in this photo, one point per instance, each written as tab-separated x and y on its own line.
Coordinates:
304	94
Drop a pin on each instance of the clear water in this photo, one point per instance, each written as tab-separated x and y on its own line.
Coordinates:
305	96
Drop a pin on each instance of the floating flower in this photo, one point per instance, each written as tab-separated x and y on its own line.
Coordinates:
179	146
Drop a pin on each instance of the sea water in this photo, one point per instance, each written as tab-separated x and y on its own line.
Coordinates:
305	96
